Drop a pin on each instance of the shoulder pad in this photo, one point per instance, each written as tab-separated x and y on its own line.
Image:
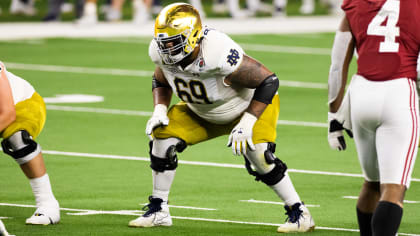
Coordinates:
221	52
153	52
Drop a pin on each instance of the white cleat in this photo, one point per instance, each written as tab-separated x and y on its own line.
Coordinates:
157	215
298	220
44	216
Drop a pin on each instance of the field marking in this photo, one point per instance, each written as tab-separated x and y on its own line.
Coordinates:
5	217
74	98
405	201
25	41
147	113
134	73
273	203
186	207
139	213
76	69
198	163
246	46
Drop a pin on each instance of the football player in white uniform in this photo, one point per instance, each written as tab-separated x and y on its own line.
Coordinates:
223	91
22	117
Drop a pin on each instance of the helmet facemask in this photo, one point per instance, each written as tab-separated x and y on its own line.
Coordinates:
172	49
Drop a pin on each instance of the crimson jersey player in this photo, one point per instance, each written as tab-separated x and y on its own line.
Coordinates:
380	106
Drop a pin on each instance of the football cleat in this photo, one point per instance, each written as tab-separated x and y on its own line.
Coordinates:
298	220
156	215
44	216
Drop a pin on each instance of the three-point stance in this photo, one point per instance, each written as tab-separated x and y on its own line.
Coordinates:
223	91
380	105
22	117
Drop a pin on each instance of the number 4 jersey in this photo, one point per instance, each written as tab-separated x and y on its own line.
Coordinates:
201	84
387	34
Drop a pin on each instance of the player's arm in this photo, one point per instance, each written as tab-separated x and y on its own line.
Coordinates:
7	107
162	94
253	74
341	55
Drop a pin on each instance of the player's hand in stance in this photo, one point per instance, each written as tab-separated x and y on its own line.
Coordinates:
241	136
158	118
335	133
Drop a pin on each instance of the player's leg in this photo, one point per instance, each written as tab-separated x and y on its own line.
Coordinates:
265	166
397	145
114	12
219	6
235	10
369	195
366	205
307	7
279	8
19	143
364	121
197	4
27	154
183	129
89	15
142	11
164	162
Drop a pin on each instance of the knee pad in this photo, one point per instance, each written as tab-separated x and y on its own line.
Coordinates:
268	168
163	153
21	147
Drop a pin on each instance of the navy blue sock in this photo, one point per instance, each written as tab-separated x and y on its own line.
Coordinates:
386	219
365	223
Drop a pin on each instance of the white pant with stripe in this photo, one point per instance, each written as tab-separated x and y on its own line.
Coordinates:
385	121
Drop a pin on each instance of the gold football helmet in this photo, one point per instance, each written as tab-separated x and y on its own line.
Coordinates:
178	30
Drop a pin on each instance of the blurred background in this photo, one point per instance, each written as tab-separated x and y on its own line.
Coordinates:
138	11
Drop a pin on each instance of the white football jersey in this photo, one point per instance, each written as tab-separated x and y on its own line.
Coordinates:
201	84
21	89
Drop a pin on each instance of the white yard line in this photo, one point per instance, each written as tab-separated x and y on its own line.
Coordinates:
405	201
80	212
147	114
76	69
246	46
131	73
199	163
273	203
186	207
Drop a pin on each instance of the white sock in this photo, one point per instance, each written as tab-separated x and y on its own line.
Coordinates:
162	182
286	191
41	188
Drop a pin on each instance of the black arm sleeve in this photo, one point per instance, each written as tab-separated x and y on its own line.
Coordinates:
267	89
157	84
